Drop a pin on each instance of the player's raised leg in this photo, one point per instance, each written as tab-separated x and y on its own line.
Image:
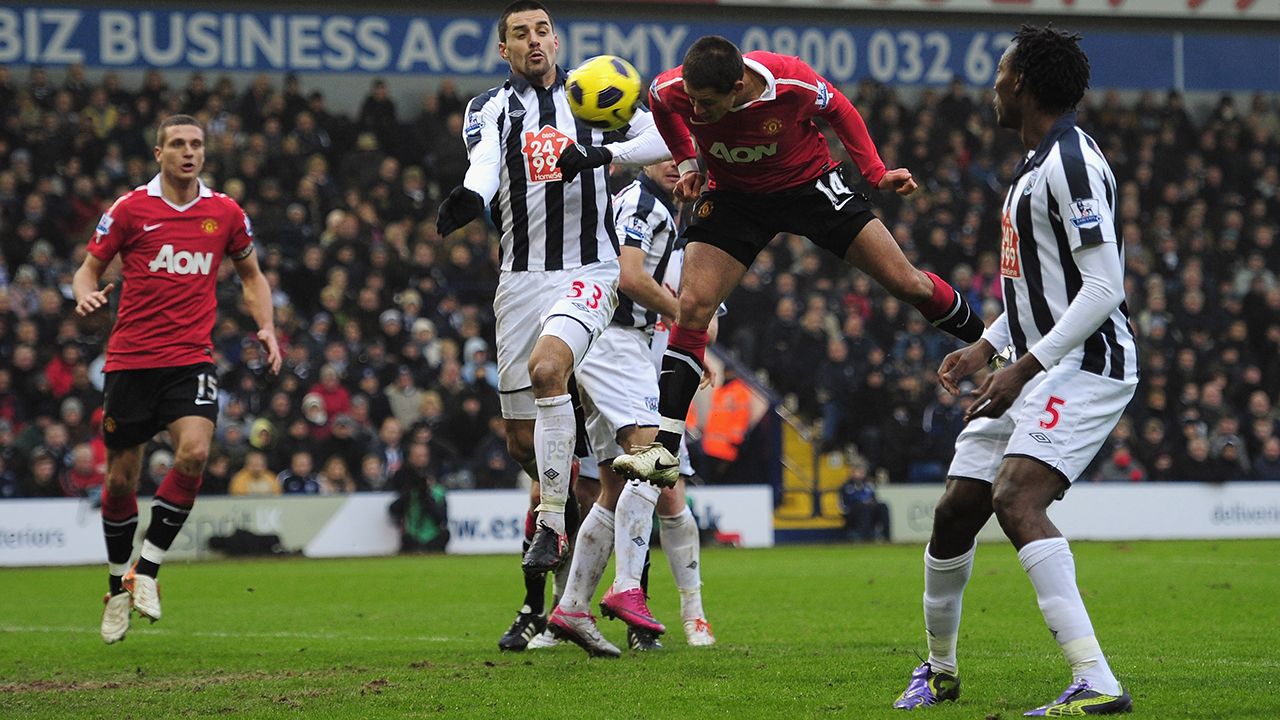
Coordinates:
1023	491
119	525
875	252
710	274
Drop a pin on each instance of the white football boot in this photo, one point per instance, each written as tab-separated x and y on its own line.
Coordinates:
698	632
145	592
115	616
652	463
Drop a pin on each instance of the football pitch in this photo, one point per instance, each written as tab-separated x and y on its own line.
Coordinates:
1192	628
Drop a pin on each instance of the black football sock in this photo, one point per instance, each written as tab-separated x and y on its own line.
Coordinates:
681	374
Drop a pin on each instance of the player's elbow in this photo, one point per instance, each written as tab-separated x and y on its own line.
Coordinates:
630	282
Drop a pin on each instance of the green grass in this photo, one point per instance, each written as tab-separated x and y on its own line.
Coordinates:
1192	628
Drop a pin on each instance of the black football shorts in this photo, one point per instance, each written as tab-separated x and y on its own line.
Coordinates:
140	403
826	211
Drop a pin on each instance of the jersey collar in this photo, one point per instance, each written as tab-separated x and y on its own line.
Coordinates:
1036	159
521	84
770	84
154	190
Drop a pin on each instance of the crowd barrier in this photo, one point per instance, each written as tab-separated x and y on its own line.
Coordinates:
68	531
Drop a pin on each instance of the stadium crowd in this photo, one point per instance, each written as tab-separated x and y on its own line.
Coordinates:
388	330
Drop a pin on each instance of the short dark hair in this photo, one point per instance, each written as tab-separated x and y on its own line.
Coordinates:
712	63
173	121
519	6
1053	67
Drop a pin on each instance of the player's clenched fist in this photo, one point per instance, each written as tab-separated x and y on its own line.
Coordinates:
690	186
94	300
899	180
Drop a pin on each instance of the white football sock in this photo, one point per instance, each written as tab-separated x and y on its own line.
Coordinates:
631	539
1052	570
679	536
554	432
944	582
595	543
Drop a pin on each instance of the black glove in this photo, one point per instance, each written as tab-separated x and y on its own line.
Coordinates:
577	158
461	207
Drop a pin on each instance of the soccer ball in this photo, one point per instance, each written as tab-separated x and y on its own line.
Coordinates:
604	92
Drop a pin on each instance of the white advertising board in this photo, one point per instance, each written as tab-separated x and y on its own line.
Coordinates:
1141	511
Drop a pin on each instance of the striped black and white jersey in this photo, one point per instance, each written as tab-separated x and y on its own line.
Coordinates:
514	135
645	220
1063	198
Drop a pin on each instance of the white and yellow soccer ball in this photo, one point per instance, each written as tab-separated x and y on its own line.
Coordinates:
604	92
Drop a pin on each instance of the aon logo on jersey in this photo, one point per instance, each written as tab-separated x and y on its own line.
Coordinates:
182	262
743	154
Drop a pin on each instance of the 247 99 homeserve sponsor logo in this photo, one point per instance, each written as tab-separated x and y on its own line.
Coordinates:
181	262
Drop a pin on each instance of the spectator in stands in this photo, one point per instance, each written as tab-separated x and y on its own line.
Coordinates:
42	478
84	478
420	506
335	478
1267	465
217	475
255	478
373	474
865	516
300	478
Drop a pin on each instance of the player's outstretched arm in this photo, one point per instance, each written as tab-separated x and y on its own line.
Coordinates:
85	286
257	295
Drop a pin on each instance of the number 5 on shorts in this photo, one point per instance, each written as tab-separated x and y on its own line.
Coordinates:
1051	407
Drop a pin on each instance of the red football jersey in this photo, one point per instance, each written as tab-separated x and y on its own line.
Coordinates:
769	143
170	257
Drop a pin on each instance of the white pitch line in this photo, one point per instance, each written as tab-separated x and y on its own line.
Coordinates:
282	634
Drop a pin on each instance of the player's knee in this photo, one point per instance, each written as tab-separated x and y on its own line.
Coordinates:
548	375
191	459
909	285
118	482
696	311
1009	504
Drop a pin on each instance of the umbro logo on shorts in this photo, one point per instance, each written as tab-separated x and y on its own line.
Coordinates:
1041	438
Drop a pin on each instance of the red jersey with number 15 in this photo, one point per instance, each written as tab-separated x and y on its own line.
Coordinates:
170	256
770	143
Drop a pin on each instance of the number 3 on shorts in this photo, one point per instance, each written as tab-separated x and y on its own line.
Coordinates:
580	287
1051	407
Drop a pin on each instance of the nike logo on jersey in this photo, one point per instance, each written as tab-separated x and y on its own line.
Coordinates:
204	402
149	228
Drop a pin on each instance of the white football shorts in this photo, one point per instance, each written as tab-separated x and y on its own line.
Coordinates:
619	388
586	296
1061	419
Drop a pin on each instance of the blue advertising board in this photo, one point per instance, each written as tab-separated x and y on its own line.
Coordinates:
455	45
